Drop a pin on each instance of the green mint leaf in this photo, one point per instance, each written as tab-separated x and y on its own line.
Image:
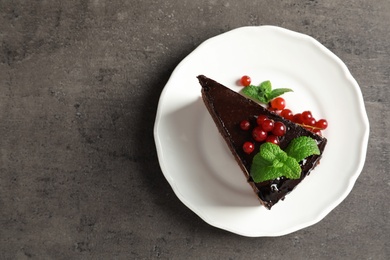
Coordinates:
263	93
251	91
272	162
291	168
269	152
266	86
257	93
261	169
278	92
302	147
265	89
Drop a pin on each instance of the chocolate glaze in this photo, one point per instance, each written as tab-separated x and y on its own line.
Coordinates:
228	108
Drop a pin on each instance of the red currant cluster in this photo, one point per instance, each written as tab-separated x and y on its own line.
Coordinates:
304	119
266	130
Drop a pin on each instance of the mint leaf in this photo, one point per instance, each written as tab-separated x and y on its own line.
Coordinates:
302	147
278	92
256	92
272	162
291	168
252	92
266	86
263	93
265	89
270	151
261	169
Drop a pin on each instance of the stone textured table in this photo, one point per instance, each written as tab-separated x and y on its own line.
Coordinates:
79	87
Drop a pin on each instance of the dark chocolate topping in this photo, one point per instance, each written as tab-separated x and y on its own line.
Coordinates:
228	108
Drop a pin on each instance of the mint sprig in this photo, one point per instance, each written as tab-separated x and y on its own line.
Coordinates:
272	162
264	92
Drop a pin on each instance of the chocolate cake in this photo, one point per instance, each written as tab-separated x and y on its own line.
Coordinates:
228	108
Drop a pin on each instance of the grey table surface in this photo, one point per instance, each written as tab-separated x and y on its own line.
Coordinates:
79	88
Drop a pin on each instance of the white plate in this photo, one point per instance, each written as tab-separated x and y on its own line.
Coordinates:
196	161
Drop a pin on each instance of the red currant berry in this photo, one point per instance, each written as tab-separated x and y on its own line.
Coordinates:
248	147
260	119
259	134
298	118
287	113
278	103
322	124
245	125
306	115
272	139
309	121
279	129
245	81
267	125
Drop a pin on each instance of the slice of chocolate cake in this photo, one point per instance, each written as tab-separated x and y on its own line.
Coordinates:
228	109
